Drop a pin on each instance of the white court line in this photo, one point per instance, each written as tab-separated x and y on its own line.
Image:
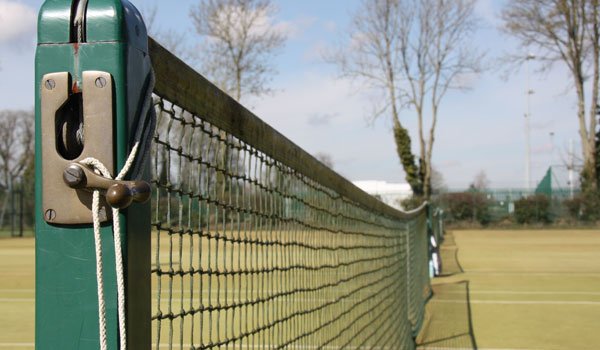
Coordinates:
537	273
8	300
523	292
31	290
444	348
267	346
30	345
523	302
17	345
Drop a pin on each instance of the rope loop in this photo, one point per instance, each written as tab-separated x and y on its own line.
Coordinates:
144	131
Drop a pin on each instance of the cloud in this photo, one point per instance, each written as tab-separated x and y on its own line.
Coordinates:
330	26
320	114
17	22
542	149
542	125
316	52
451	164
265	22
320	119
296	28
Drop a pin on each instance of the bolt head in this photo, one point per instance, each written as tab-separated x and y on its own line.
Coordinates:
100	82
50	84
50	215
74	176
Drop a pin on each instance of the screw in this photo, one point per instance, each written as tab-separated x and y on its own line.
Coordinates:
100	82
50	215
50	84
73	176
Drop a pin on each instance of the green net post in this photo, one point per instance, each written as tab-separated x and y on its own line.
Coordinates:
113	40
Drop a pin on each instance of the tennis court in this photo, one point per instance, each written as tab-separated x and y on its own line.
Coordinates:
520	289
248	241
527	290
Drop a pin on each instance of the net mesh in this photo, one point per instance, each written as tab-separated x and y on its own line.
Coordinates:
249	252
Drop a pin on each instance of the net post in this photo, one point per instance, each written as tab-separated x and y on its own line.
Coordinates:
113	40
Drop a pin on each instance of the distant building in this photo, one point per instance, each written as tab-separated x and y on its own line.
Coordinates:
389	193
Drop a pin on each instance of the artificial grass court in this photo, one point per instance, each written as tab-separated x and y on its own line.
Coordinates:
503	290
516	289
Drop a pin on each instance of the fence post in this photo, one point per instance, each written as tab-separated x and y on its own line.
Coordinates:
77	41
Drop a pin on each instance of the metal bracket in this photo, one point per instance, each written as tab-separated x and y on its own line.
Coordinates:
76	123
119	194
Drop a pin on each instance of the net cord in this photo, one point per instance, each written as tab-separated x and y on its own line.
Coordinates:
142	131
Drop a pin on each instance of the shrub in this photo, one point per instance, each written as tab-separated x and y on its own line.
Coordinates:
412	202
468	206
585	206
533	209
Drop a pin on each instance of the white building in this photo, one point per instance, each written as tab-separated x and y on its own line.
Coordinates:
389	193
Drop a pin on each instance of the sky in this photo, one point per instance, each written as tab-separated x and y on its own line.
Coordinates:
482	129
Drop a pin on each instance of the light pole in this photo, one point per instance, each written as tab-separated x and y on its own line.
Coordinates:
529	92
551	148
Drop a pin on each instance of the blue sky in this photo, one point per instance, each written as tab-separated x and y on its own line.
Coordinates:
480	129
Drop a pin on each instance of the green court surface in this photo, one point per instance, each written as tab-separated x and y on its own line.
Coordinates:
508	290
517	289
17	267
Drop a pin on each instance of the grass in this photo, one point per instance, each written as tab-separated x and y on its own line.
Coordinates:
17	294
7	233
512	290
519	290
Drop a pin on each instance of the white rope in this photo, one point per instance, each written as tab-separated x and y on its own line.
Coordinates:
100	168
99	278
79	19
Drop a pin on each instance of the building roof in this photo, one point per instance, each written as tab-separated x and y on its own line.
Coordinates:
383	187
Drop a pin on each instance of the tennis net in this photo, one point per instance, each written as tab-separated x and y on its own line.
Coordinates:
258	245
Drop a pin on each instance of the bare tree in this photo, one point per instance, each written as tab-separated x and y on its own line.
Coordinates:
16	145
171	39
438	185
413	51
565	31
480	182
16	150
325	158
240	40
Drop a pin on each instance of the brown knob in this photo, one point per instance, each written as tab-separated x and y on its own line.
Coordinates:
120	195
141	191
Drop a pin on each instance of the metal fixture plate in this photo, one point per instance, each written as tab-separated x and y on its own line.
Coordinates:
60	203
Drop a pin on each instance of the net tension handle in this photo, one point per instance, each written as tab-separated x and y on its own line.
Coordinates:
77	123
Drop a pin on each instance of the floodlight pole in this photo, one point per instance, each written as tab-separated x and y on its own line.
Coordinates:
529	92
551	149
571	168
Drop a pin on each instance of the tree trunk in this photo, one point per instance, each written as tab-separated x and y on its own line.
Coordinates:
588	148
427	178
593	175
401	135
